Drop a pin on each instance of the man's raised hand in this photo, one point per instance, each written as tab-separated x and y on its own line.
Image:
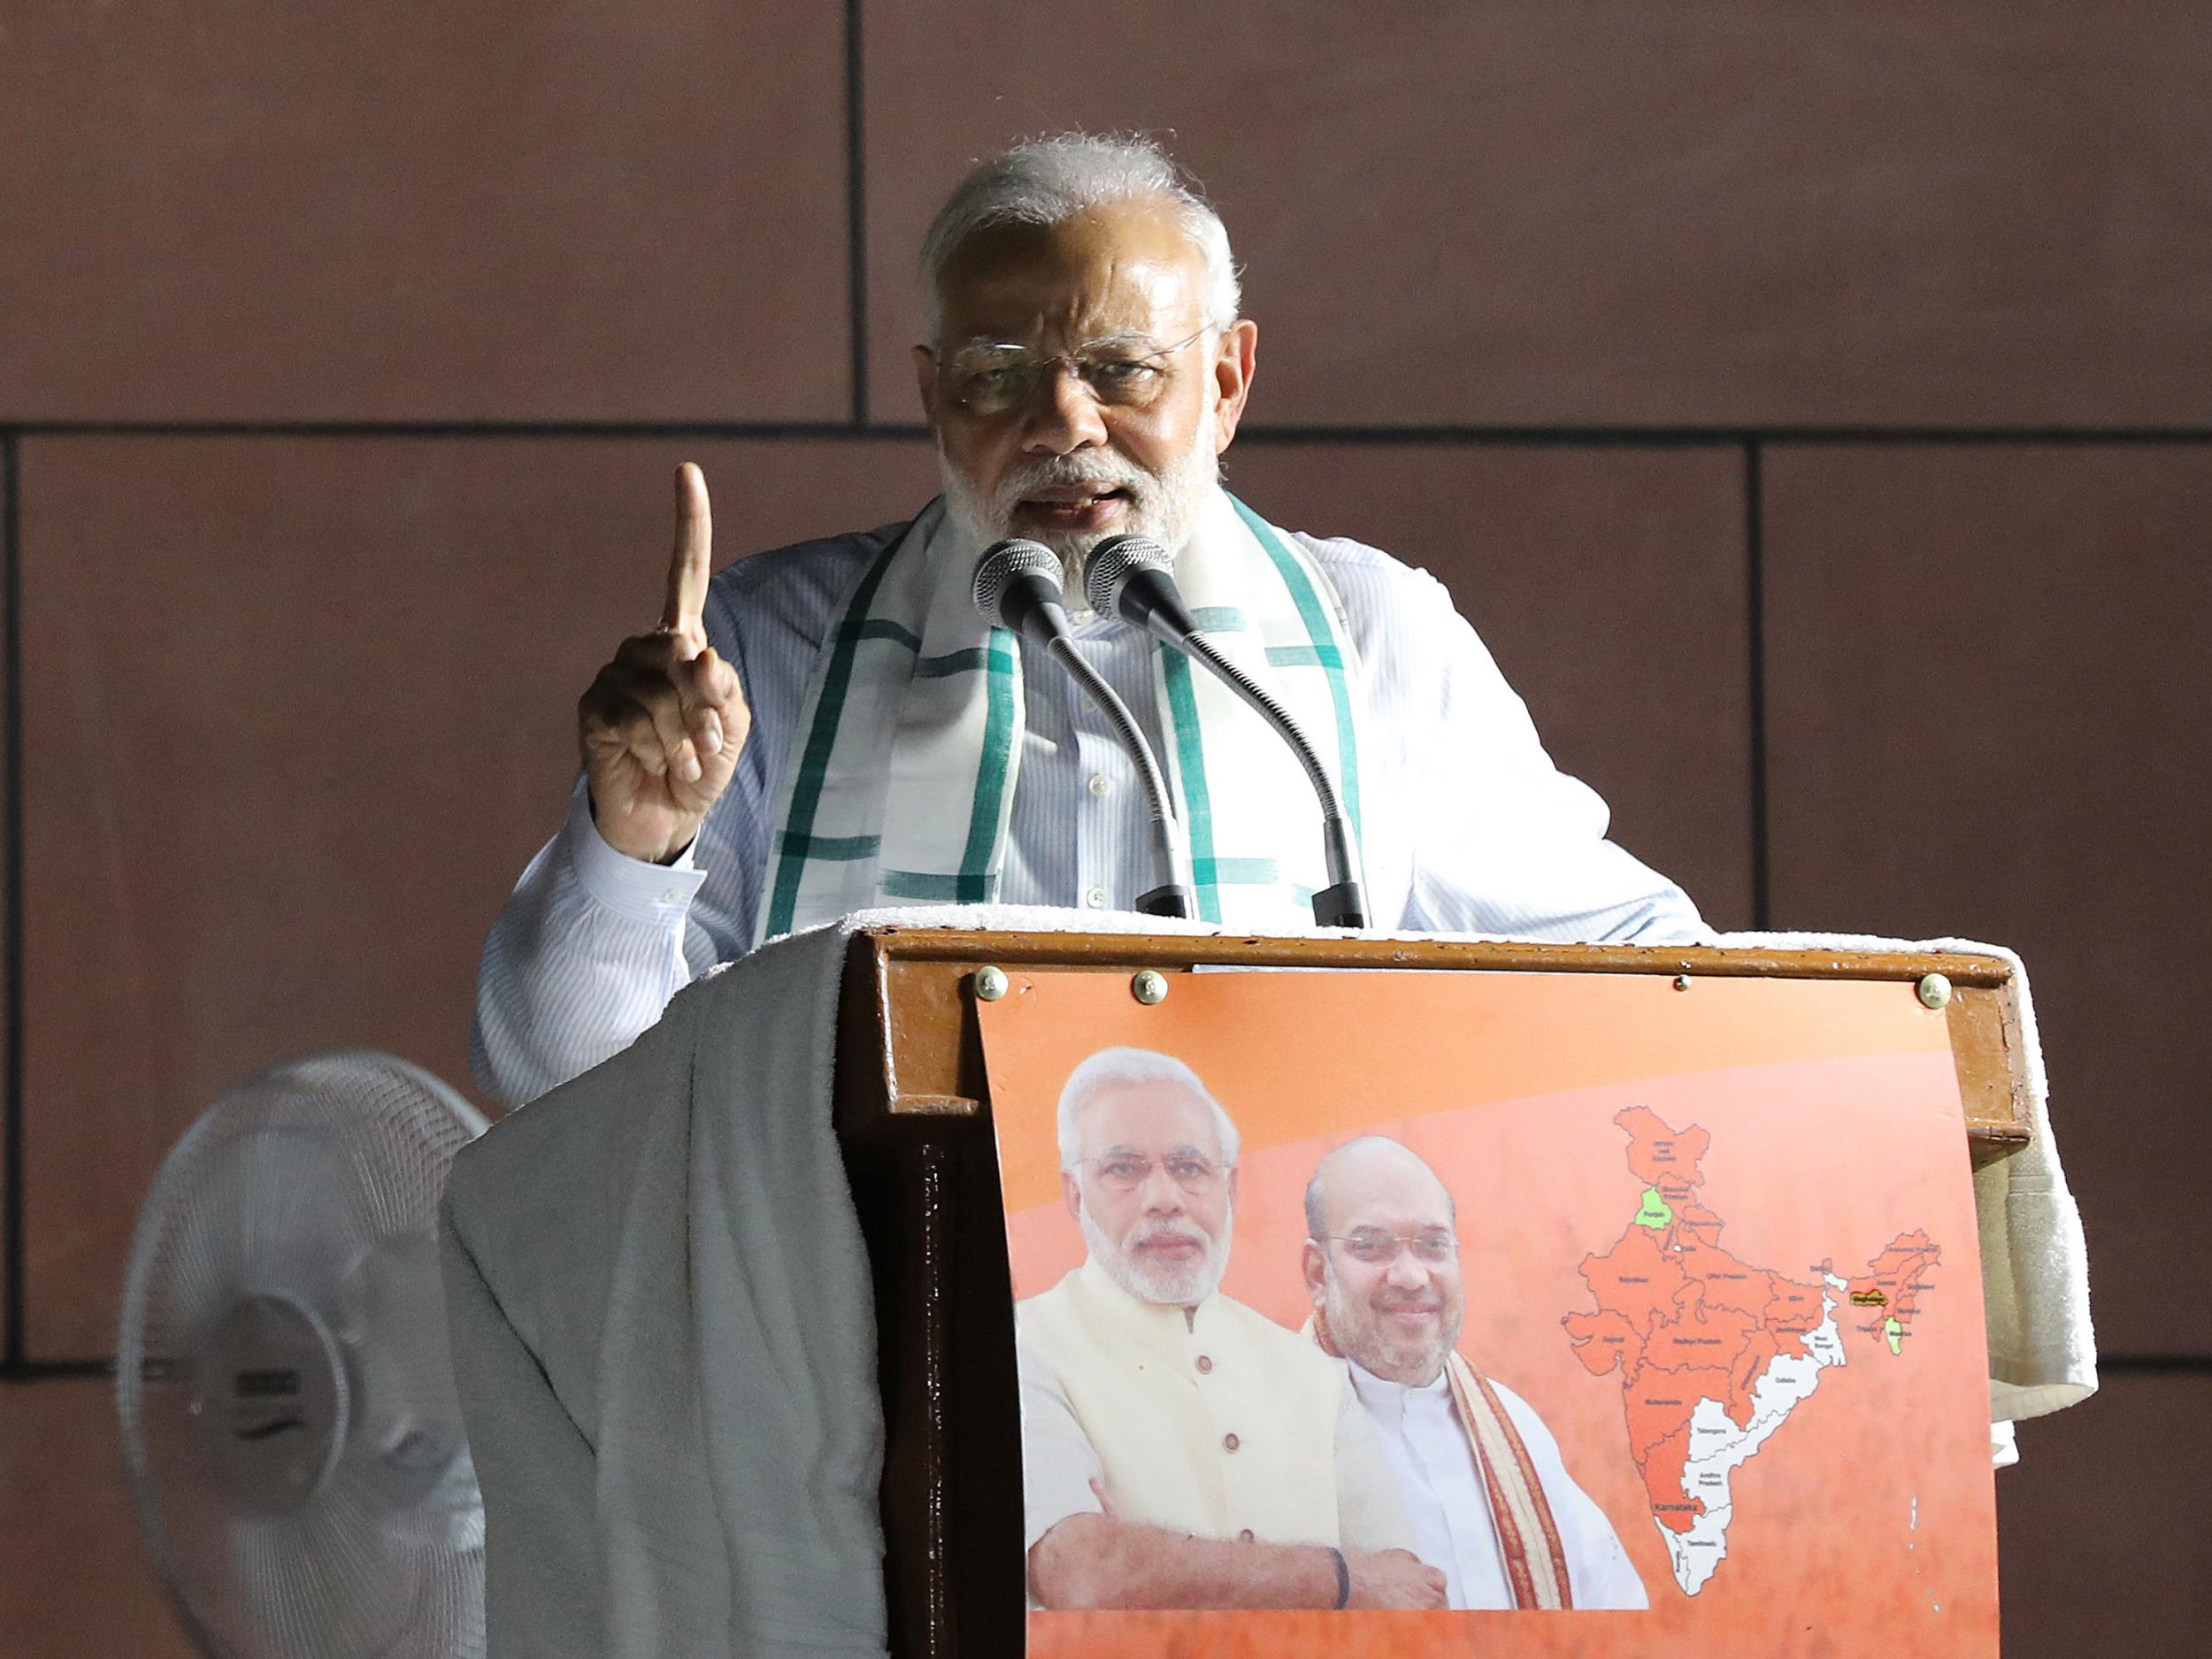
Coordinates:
662	726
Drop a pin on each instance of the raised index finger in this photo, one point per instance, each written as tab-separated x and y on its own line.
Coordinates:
692	564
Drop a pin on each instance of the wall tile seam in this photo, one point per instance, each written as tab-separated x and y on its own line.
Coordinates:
2107	1365
13	1288
1438	435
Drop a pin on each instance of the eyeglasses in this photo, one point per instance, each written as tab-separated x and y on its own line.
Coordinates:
1375	1247
1125	1171
1127	373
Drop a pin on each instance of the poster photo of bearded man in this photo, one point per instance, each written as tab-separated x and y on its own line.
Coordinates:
1182	1449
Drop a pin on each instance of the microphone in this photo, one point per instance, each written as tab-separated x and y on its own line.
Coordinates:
1132	577
1017	586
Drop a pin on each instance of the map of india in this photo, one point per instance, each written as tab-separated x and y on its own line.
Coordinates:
1714	1353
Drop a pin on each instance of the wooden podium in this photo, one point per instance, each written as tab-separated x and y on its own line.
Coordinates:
913	1115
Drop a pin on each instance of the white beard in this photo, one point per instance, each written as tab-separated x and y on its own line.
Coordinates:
1162	506
1161	1284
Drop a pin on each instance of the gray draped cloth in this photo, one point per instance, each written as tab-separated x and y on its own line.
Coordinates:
668	1241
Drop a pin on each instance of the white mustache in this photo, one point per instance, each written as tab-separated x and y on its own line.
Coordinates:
1060	471
1187	1232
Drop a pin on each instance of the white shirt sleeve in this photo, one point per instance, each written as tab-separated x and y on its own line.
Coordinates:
1503	841
1370	1516
585	956
1058	1463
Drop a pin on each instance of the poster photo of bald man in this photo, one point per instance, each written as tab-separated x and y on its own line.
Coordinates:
1523	1316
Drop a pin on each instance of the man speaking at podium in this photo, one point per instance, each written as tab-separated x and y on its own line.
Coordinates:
834	726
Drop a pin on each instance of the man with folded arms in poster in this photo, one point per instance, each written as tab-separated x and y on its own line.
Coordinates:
1178	1448
1489	1496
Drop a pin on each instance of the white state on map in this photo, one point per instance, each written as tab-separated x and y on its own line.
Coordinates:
1717	1444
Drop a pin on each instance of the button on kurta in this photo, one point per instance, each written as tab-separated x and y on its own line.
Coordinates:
1204	1363
1101	784
1229	1442
1245	1537
1096	898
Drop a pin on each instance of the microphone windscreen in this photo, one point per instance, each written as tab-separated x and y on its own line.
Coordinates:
1113	562
1003	562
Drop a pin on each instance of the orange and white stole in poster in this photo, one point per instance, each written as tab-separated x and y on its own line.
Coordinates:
1518	1506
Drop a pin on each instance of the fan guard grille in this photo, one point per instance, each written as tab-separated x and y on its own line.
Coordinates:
290	1430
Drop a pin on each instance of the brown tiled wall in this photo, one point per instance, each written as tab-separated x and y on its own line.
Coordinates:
343	358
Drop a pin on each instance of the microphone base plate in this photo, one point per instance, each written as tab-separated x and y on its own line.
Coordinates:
1343	905
1167	901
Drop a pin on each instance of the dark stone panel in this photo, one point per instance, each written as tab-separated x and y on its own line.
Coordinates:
482	212
1610	585
79	1584
2101	1540
1488	213
299	711
1986	697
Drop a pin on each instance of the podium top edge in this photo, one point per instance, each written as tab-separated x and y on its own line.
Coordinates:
897	941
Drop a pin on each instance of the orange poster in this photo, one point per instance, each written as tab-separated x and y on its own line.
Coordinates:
1368	1314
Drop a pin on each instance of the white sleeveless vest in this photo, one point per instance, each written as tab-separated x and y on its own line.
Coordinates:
1221	1424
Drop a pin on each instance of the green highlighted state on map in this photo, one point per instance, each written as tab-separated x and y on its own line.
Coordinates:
1656	1211
1895	1332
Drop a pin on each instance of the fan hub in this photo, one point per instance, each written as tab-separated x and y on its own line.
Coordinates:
272	1399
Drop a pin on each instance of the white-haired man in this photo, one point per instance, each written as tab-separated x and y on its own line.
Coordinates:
1180	1449
830	727
1484	1487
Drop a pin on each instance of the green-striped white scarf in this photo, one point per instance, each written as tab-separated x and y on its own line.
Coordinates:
900	781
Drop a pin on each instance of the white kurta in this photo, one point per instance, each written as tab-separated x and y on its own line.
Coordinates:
1433	1462
1465	822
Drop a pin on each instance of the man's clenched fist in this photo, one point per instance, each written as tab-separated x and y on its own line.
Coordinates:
662	725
